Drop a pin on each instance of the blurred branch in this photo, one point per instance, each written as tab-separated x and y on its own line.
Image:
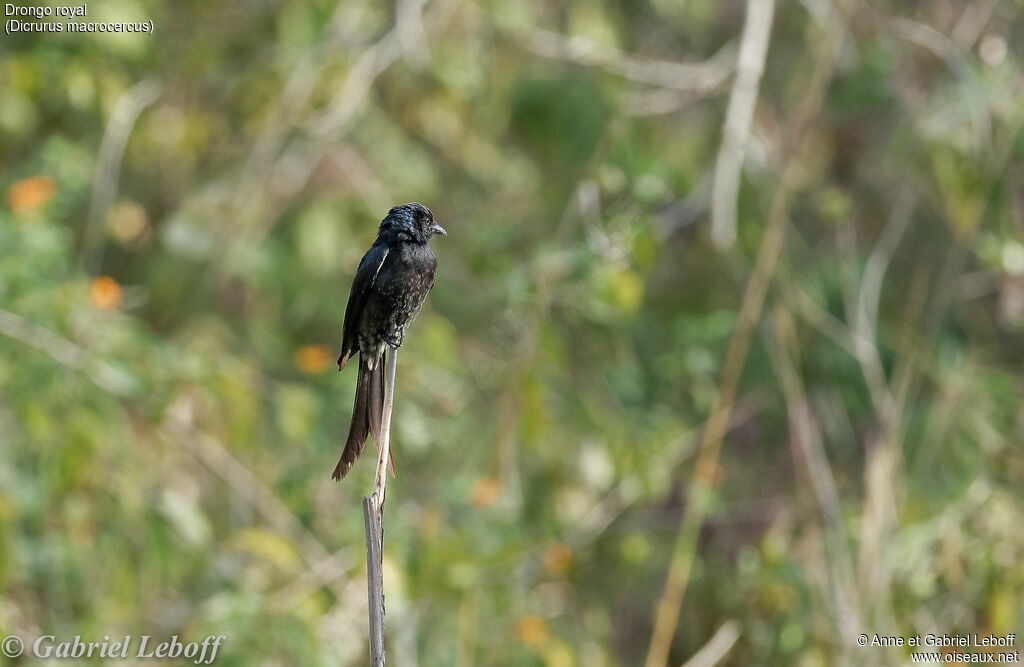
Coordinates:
972	23
698	498
906	371
879	523
833	328
373	516
701	77
295	94
809	452
931	39
66	353
859	339
179	428
281	167
108	167
866	312
658	101
372	62
320	574
622	496
333	121
952	55
411	33
749	67
717	647
354	168
884	454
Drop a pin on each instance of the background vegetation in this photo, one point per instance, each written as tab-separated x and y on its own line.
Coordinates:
183	214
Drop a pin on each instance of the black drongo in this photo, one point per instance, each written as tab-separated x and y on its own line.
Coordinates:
388	290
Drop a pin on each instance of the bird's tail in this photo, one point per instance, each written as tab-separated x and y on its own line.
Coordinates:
366	415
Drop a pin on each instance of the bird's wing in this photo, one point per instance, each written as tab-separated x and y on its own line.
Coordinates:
362	285
432	270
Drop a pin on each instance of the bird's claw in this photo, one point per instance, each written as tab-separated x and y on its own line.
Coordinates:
390	340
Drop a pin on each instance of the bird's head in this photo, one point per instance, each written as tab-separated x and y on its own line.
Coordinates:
412	221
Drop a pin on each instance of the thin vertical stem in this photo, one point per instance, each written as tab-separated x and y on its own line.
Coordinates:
385	430
374	579
373	516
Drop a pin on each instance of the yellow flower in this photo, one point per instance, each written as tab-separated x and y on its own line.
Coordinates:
532	630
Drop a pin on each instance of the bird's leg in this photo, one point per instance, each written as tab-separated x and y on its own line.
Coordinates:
390	340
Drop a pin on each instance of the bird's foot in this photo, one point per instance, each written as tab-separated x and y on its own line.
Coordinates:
390	340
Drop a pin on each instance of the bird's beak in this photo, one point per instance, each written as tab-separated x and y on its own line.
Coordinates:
438	229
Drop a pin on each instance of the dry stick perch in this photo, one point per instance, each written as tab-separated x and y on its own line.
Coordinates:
373	515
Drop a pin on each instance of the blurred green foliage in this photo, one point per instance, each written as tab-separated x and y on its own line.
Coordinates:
169	416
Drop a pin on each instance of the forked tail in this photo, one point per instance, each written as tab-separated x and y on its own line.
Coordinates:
366	416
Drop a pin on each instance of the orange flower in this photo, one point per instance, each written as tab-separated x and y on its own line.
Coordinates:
28	194
556	558
532	630
313	359
485	491
105	293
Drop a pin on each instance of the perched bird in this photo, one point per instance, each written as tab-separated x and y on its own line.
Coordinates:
388	290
